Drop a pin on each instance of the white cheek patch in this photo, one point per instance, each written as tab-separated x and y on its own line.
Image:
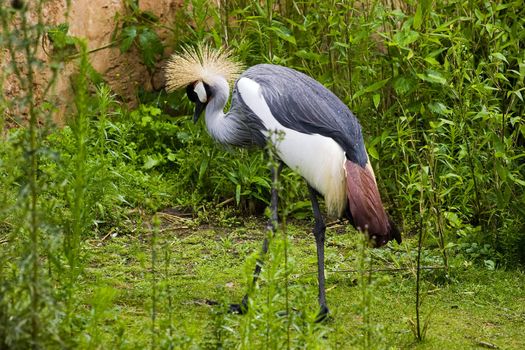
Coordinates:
201	92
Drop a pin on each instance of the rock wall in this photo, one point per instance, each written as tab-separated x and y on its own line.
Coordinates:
94	20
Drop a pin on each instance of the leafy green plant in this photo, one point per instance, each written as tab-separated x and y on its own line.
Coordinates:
137	28
63	44
26	304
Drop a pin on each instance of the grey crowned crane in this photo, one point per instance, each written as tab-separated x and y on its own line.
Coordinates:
313	132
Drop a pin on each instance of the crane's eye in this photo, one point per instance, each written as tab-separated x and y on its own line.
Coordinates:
192	95
199	92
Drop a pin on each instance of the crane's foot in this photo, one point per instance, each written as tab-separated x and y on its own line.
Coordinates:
241	308
237	309
323	314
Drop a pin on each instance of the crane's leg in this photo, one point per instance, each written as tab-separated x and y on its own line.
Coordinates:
319	234
272	226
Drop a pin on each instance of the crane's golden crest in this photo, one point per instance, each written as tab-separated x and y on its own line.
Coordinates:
200	63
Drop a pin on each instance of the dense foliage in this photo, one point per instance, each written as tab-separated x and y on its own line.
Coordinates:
438	87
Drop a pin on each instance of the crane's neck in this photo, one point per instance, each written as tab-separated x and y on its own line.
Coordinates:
220	127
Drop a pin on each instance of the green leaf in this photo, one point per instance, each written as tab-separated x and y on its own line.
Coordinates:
150	162
203	168
376	98
409	38
499	56
432	76
402	85
453	219
439	108
501	76
155	111
307	55
145	120
59	36
421	12
128	35
432	61
284	33
418	18
518	94
516	180
375	86
489	264
261	181
372	151
150	46
502	171
479	15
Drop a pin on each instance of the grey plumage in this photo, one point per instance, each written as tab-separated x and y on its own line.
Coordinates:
301	103
248	125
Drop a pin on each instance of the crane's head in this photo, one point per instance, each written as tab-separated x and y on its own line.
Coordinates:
199	93
199	69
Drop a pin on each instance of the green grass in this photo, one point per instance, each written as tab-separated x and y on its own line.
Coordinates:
474	306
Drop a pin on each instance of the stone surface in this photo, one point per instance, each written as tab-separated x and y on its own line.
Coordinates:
94	20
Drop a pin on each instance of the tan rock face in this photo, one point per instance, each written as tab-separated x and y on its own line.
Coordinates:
94	20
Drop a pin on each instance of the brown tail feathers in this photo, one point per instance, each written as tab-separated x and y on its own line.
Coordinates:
366	208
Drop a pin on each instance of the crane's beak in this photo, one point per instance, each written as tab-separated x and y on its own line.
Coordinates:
199	107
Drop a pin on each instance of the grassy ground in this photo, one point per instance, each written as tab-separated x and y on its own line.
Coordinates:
474	308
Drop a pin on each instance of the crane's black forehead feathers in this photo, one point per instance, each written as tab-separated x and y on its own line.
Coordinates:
192	95
301	103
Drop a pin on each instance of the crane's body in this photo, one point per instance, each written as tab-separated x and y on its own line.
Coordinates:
313	133
317	158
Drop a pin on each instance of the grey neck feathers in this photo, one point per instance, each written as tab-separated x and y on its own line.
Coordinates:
240	126
220	127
